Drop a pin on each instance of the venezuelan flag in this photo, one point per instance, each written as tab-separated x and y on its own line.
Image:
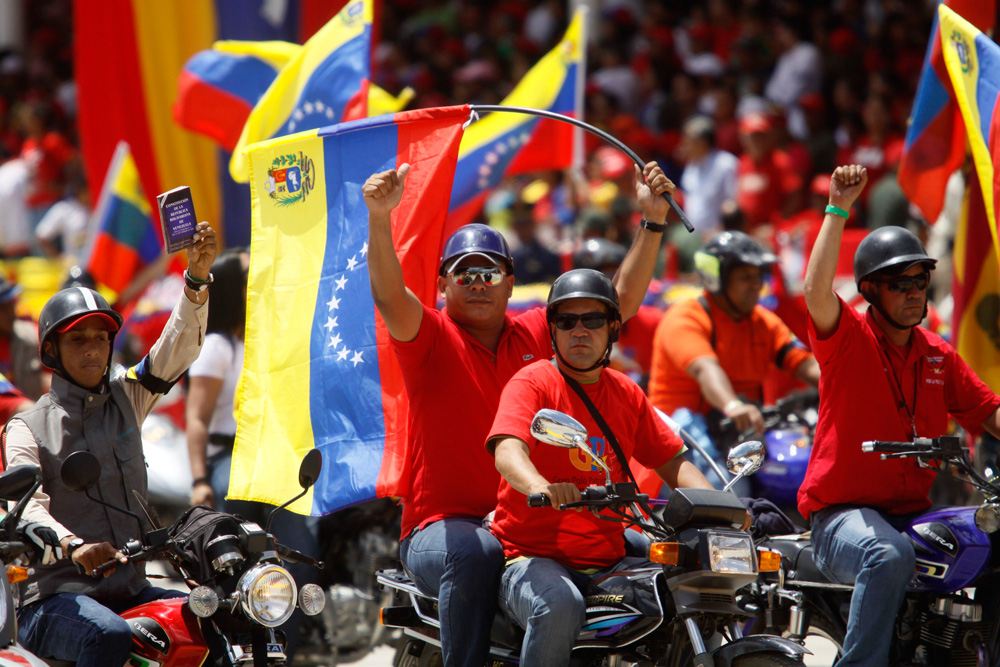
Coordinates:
973	62
126	239
318	370
506	144
935	136
326	82
219	87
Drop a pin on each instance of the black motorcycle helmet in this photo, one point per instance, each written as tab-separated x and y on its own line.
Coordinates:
475	239
63	311
598	253
584	284
888	251
723	253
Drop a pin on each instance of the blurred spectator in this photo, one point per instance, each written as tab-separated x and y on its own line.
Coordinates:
880	138
19	360
766	181
820	142
63	228
709	177
887	205
15	225
533	262
46	152
798	70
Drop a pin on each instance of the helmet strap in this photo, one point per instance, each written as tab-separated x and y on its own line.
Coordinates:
602	363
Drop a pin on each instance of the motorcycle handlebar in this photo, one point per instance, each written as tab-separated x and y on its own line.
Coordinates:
591	494
917	446
11	549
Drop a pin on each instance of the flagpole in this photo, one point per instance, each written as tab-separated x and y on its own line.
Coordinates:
476	108
121	150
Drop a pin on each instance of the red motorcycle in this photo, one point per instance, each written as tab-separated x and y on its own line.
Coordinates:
240	593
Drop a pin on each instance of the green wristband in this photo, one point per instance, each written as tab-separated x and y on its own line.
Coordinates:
836	210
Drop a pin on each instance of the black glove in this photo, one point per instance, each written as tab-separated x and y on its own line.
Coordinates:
43	539
767	519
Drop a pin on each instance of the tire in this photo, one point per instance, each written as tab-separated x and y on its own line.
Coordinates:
766	659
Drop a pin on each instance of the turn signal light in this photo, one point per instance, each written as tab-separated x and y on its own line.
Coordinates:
770	561
16	574
665	553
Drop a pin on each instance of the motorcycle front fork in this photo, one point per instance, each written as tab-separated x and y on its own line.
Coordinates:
702	656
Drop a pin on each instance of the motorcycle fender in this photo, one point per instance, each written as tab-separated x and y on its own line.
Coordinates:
725	654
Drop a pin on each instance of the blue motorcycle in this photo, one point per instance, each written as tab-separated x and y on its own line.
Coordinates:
951	613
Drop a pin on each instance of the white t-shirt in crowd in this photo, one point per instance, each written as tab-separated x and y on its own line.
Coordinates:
69	219
221	358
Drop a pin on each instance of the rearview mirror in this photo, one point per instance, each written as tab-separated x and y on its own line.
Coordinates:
556	428
310	467
15	482
80	471
746	458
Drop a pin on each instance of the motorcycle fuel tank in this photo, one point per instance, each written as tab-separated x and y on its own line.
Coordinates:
951	551
786	458
165	633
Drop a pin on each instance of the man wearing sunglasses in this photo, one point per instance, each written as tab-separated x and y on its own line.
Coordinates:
883	378
552	555
454	364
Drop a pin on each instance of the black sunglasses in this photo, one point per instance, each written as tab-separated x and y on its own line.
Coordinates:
567	321
904	284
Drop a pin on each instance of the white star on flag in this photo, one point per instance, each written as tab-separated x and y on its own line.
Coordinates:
333	303
341	283
357	358
334	342
351	263
342	354
331	323
364	249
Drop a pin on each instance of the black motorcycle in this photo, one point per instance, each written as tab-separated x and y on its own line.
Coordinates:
682	611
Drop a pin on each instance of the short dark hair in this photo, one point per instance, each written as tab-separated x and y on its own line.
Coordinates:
227	310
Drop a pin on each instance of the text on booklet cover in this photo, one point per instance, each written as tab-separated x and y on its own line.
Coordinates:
177	218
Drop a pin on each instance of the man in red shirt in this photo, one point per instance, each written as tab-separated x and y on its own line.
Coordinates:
883	378
551	555
454	364
712	354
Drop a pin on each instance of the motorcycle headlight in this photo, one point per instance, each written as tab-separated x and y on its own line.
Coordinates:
730	552
312	599
267	594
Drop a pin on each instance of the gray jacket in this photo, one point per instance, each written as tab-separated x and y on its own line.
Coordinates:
70	418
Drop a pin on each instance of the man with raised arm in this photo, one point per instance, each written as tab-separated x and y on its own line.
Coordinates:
455	362
882	378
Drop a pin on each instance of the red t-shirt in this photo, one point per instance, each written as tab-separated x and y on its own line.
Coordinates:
636	340
762	187
576	539
46	159
746	350
859	401
454	386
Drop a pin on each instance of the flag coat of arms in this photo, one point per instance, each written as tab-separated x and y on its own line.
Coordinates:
319	371
325	83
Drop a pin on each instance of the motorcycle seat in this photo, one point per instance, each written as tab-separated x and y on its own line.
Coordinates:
797	553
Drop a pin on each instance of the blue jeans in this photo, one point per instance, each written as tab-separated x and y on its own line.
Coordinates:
546	599
864	547
73	626
293	530
459	562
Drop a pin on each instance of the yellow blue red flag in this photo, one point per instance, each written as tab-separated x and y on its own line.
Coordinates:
125	239
326	83
318	371
506	144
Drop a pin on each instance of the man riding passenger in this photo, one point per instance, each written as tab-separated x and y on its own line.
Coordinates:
552	555
455	363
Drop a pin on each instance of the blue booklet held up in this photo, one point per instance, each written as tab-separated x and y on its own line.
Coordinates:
177	218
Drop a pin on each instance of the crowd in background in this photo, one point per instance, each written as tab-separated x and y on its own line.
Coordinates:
746	104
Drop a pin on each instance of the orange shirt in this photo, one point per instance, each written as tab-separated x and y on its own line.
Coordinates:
746	350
